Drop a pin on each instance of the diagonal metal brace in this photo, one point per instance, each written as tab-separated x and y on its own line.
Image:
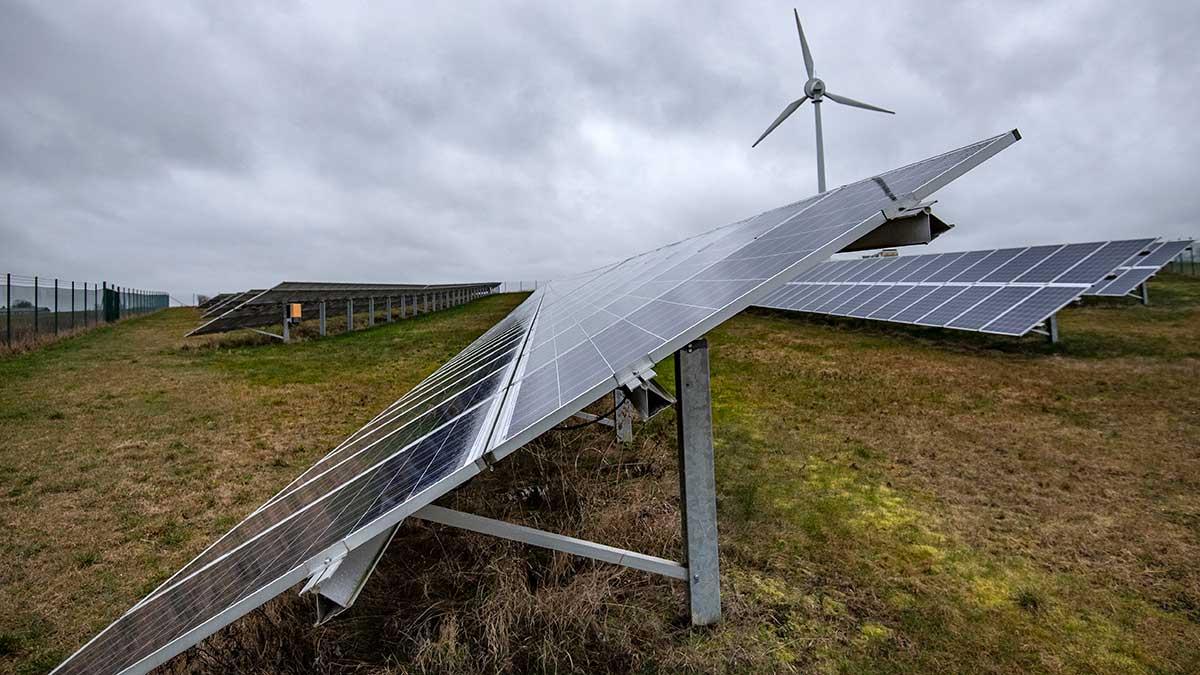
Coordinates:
550	540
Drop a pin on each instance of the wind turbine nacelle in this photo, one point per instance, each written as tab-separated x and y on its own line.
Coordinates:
917	226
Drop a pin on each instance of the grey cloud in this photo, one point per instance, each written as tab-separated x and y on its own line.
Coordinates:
208	146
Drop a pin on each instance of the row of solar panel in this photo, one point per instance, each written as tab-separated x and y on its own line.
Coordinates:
258	308
1003	291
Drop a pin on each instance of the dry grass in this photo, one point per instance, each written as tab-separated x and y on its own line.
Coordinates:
891	499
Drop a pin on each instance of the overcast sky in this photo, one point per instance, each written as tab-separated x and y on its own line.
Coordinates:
199	147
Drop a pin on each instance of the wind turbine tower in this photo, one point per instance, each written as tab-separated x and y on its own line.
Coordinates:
814	90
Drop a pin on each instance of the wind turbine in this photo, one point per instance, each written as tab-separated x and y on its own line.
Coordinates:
814	90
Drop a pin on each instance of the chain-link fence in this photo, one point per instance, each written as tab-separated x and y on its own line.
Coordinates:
518	286
1187	262
36	309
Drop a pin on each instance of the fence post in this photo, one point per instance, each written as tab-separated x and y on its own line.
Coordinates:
8	309
72	305
35	306
56	306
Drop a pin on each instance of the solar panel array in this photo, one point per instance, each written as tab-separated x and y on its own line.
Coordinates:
1007	291
568	344
1138	270
265	307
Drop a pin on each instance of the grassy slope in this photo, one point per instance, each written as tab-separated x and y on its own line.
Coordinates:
891	499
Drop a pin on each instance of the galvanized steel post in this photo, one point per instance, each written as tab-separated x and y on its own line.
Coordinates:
623	417
35	305
697	484
8	309
321	314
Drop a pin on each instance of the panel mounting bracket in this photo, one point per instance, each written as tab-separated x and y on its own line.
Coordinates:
486	461
908	221
336	584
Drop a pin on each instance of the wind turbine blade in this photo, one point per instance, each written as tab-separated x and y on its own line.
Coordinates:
808	62
845	100
782	116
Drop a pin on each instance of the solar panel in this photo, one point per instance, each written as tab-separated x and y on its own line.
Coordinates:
1139	268
604	327
972	290
265	307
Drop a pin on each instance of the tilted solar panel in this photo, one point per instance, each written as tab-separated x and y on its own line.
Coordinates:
1003	291
569	343
265	307
1138	269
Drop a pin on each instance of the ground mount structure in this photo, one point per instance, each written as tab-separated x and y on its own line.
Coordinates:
569	344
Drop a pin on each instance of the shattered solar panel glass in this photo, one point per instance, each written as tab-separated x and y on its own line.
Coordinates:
960	290
588	333
1139	269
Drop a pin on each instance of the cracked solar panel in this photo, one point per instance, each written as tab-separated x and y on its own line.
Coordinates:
1139	268
569	343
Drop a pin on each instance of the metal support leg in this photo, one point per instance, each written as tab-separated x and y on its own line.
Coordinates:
338	585
371	311
389	309
349	315
1052	329
697	484
287	328
1145	292
623	416
402	314
321	314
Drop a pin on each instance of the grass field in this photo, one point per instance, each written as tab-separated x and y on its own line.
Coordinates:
890	500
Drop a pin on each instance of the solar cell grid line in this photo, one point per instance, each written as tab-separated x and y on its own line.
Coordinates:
999	301
879	271
963	263
824	293
1059	262
852	298
901	270
994	261
848	291
865	309
1125	282
939	262
372	503
850	306
1139	268
1102	261
1020	263
955	306
910	295
1163	254
936	262
928	304
1033	311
